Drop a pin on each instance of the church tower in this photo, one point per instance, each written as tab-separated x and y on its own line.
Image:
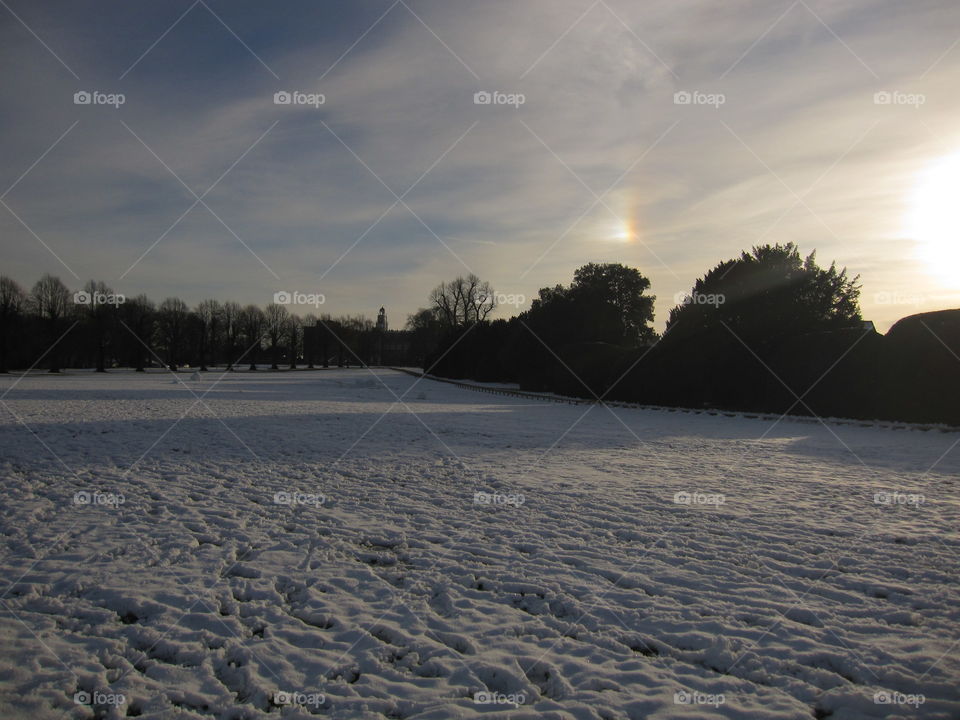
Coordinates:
382	320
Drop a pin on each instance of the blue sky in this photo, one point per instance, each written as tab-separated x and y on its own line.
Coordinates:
399	180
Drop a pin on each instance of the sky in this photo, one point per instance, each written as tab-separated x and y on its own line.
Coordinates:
668	136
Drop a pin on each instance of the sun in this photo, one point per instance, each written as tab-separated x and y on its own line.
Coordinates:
933	220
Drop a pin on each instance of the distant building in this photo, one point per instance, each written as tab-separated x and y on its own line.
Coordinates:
382	320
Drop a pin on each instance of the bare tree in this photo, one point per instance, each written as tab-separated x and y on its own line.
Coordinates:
50	301
277	317
172	318
230	317
463	301
13	301
252	321
138	315
294	338
208	316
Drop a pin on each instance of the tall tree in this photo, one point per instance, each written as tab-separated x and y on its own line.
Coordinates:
138	315
230	315
252	321
173	316
463	301
50	301
276	317
769	293
208	317
13	302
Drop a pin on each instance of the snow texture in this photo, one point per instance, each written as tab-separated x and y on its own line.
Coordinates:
359	544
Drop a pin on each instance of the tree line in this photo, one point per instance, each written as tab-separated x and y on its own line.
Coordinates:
767	331
51	327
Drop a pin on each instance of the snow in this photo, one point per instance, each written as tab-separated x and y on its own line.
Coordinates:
358	544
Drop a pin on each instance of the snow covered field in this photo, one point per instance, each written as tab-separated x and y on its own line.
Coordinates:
301	545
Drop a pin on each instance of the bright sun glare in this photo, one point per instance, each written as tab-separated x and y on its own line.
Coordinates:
934	219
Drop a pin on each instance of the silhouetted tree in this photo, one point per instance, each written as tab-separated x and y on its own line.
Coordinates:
252	321
463	301
13	301
172	318
276	317
50	300
137	314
